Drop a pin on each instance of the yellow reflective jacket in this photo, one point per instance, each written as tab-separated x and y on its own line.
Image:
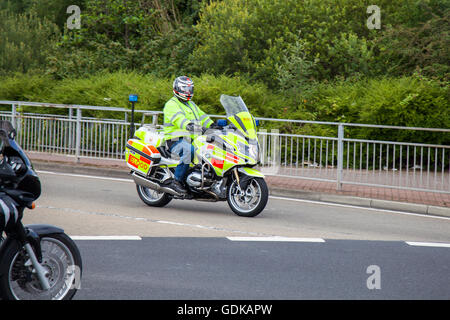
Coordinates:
178	115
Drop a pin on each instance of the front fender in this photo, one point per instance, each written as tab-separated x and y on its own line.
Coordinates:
44	229
251	172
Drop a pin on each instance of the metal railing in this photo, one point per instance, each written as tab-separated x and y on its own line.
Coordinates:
338	159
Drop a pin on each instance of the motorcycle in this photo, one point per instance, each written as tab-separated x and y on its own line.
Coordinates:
37	262
222	168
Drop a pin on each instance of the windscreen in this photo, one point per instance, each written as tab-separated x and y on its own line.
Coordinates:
232	105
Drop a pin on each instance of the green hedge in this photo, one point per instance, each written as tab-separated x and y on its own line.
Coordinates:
112	89
405	101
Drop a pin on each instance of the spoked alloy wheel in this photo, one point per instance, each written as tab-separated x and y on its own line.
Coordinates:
251	201
152	197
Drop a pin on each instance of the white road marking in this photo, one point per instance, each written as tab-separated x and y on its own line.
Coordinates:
84	176
276	239
429	244
106	238
360	207
272	197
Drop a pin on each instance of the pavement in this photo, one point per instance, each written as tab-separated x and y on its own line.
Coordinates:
427	203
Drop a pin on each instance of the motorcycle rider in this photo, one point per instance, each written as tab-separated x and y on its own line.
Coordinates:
182	121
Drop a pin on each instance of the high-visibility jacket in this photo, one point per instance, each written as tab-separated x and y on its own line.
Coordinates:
177	115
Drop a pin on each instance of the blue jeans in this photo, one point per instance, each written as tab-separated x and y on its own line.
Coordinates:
186	152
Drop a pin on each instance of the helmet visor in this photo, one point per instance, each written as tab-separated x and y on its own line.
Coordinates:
186	89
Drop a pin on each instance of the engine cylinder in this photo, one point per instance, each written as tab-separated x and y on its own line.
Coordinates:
194	179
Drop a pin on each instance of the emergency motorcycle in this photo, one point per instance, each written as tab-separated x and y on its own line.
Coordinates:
39	261
222	169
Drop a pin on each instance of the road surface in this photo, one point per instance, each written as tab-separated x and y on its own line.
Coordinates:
294	249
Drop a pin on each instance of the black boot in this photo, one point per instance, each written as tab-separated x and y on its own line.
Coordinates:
177	186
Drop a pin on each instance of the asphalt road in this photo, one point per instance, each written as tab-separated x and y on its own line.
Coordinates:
85	205
198	250
220	269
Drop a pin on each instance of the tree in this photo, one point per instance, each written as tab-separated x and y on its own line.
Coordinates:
24	41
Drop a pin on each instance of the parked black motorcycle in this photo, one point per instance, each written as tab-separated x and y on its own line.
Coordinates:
37	262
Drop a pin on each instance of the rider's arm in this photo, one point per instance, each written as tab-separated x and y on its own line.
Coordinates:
205	120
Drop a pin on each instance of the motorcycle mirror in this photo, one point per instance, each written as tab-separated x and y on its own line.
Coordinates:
221	122
210	139
4	141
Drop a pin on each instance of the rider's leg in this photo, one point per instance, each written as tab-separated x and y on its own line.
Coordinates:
186	152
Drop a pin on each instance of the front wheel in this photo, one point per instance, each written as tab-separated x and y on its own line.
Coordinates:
60	258
249	202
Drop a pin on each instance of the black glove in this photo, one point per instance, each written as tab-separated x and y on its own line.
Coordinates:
194	128
214	126
190	127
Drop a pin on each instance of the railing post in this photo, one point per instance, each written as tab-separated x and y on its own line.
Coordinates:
263	152
340	156
70	131
276	151
13	115
78	137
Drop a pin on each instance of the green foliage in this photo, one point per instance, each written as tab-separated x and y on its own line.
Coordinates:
24	41
151	36
15	6
112	89
21	87
54	11
252	37
308	59
406	101
296	72
424	48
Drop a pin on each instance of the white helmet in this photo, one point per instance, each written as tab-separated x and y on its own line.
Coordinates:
183	88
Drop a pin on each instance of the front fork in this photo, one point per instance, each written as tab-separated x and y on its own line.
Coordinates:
241	182
32	244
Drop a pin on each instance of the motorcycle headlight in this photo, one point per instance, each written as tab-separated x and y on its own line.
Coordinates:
254	151
250	150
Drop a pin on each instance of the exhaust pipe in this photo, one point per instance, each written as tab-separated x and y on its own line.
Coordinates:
139	180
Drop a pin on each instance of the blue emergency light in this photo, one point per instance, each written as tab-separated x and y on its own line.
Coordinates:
133	98
221	122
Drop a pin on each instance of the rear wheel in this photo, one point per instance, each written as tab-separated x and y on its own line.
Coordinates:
251	201
153	198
